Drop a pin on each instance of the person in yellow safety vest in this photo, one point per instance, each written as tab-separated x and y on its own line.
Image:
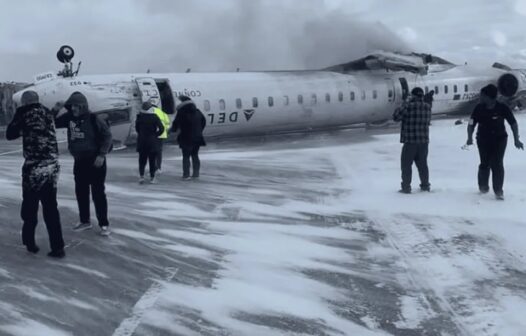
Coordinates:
165	120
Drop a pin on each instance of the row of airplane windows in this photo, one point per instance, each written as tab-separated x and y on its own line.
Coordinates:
446	89
286	100
314	98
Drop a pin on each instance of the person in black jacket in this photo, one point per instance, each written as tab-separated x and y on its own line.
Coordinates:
191	123
149	127
492	138
40	171
89	140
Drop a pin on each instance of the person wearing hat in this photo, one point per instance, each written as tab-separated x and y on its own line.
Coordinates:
415	118
34	123
492	138
89	140
191	123
148	127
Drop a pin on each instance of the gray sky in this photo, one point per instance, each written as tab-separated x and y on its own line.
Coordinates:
221	35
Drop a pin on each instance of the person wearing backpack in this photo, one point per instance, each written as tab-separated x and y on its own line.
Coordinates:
89	140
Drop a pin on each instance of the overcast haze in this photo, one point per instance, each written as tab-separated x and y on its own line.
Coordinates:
221	35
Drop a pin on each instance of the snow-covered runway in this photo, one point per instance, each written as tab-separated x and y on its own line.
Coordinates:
294	235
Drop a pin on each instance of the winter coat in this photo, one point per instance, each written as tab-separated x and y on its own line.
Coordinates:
88	135
34	123
149	127
191	122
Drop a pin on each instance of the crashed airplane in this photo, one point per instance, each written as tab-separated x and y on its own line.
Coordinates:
366	90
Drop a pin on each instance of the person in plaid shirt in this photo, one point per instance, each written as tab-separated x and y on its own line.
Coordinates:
415	116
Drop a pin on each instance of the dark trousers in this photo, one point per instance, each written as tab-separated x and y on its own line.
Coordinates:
416	153
86	177
150	157
491	153
191	152
159	158
29	213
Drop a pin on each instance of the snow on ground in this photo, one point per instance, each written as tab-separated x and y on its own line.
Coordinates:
293	236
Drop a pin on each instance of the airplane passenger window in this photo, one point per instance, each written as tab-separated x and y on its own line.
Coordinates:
313	99
436	89
455	89
286	100
328	97
254	102
445	89
352	95
466	88
222	105
390	93
270	101
363	95
239	103
300	99
340	96
375	94
206	104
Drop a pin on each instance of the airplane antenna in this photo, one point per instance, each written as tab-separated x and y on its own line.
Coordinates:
78	68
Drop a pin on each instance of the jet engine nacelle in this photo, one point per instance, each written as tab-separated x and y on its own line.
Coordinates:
65	54
508	85
512	87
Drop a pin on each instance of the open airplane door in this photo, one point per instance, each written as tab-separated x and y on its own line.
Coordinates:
149	90
391	91
405	88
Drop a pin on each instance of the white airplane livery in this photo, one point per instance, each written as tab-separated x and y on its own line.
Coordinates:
366	90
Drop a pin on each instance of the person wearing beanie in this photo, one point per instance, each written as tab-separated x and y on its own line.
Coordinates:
34	123
191	123
148	127
492	138
415	118
89	141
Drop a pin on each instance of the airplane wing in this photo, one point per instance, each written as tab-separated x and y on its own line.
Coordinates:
391	61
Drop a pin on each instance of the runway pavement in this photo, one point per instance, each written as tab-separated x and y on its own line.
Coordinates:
291	235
